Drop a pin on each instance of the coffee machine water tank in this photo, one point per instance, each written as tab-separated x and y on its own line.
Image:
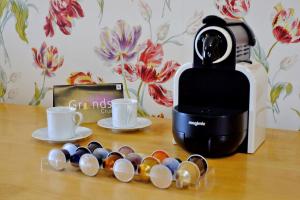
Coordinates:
217	98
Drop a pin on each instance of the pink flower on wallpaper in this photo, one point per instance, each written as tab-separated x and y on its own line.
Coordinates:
152	56
286	27
62	12
120	43
77	78
47	59
130	71
146	70
235	9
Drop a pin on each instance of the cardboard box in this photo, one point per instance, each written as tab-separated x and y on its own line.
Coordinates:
93	101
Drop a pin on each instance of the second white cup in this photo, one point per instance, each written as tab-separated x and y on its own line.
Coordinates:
124	113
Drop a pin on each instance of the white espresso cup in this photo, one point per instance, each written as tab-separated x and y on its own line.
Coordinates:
124	113
62	122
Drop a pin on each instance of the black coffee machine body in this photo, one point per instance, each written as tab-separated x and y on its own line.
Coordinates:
212	99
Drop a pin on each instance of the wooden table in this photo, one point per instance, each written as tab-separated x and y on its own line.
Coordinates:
273	172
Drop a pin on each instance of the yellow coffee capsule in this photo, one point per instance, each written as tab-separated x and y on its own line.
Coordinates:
187	174
145	167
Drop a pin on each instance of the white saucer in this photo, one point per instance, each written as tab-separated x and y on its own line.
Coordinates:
80	133
141	123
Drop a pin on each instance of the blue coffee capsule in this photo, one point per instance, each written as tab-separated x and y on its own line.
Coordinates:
71	148
76	157
100	154
172	164
94	145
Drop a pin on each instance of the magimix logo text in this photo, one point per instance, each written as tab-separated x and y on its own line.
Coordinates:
197	123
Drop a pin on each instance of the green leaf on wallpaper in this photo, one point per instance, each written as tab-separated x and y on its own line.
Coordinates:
3	4
133	91
37	95
2	90
168	3
260	56
3	82
101	9
296	111
176	42
278	89
20	11
288	89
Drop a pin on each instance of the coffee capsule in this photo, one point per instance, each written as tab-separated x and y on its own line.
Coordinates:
100	154
135	159
76	157
57	158
125	150
179	160
71	148
94	145
161	176
89	165
110	160
200	161
160	155
145	167
123	170
172	164
187	174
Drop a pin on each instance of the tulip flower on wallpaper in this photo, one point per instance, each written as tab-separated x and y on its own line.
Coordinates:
146	70
80	78
235	9
286	30
49	61
19	11
62	13
120	45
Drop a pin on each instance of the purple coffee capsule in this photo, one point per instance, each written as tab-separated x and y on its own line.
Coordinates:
125	150
76	157
94	145
135	159
100	154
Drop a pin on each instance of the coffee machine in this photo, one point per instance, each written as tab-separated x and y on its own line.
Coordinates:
220	97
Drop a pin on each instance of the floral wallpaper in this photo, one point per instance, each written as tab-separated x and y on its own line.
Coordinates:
140	43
